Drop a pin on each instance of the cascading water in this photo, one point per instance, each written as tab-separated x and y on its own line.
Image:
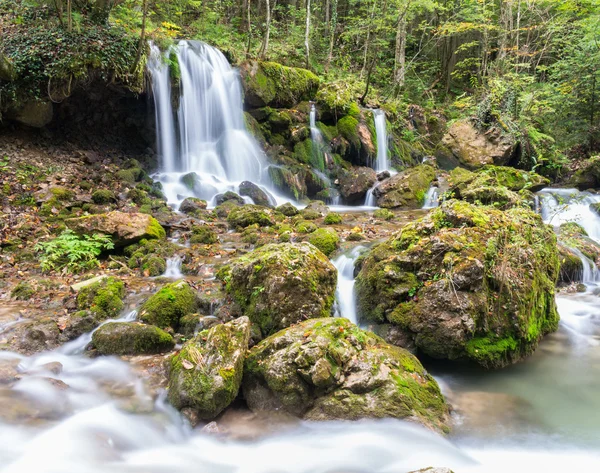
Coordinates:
381	164
560	206
345	296
431	198
173	270
204	148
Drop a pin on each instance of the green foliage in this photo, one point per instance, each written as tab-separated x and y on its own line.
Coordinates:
73	253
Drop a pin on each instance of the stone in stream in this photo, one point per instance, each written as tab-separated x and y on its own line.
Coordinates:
242	217
355	183
328	368
287	209
191	205
124	228
466	281
103	298
131	338
205	376
171	303
258	196
405	189
277	285
572	239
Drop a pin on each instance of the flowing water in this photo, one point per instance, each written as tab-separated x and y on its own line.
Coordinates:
205	137
344	294
431	198
381	163
173	270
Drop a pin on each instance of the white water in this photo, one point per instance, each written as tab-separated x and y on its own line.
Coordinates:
381	164
173	270
370	200
344	294
207	134
432	198
569	205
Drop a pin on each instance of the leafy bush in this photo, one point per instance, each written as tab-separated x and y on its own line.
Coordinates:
71	252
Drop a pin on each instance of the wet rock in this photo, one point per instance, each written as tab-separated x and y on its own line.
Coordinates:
315	209
191	205
203	234
166	307
466	281
355	183
405	189
588	176
325	239
104	299
474	148
124	228
381	176
278	285
206	374
131	338
258	196
324	369
287	209
229	196
242	217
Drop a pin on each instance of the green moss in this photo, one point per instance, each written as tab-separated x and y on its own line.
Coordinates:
104	298
22	291
383	214
332	219
103	196
304	226
138	197
348	128
287	209
241	217
155	230
167	306
131	176
325	239
491	352
203	234
154	266
131	338
62	194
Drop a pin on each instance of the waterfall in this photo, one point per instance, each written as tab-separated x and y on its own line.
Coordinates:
370	200
590	273
560	206
316	138
381	164
345	295
431	198
173	270
204	146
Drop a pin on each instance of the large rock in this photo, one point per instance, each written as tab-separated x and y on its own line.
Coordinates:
587	176
474	148
258	196
269	83
36	114
7	69
355	183
191	205
131	338
124	228
466	282
102	298
405	189
324	369
206	374
166	307
281	284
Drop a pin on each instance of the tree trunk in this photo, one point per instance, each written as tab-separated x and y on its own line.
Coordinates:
59	11
265	44
332	29
307	35
142	41
69	17
249	25
368	40
101	10
400	53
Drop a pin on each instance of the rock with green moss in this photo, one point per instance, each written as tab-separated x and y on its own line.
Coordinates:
571	265
355	141
167	306
103	196
23	291
150	256
576	246
325	239
269	83
241	217
332	218
466	282
191	205
325	369
336	99
131	175
287	209
104	299
355	183
206	374
131	338
124	228
587	176
405	189
203	234
281	284
314	210
305	226
258	196
383	214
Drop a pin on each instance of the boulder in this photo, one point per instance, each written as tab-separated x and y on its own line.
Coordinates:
258	196
355	183
103	298
325	239
354	141
315	209
466	282
124	228
35	113
277	285
474	148
206	374
587	176
131	338
269	83
241	217
167	306
191	205
405	189
287	209
229	196
325	369
575	247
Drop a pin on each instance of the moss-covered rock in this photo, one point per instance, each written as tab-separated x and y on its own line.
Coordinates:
23	291
203	234
104	299
328	368
314	210
305	226
124	228
575	239
103	196
332	218
150	256
383	214
131	338
466	281
207	373
241	217
280	284
325	239
588	175
269	83
287	209
258	196
167	306
355	183
405	189
192	205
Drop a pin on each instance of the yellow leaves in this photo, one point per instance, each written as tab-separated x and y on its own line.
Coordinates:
170	29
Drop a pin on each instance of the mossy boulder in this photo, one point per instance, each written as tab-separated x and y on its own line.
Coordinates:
354	141
258	196
207	372
325	239
150	256
336	99
203	234
588	175
577	245
131	338
23	291
325	369
332	218
104	299
168	305
278	285
103	196
124	228
241	217
405	189
314	210
192	205
474	148
355	183
466	281
269	83
287	209
383	214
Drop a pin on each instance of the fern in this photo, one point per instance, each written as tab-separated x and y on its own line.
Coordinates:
73	253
